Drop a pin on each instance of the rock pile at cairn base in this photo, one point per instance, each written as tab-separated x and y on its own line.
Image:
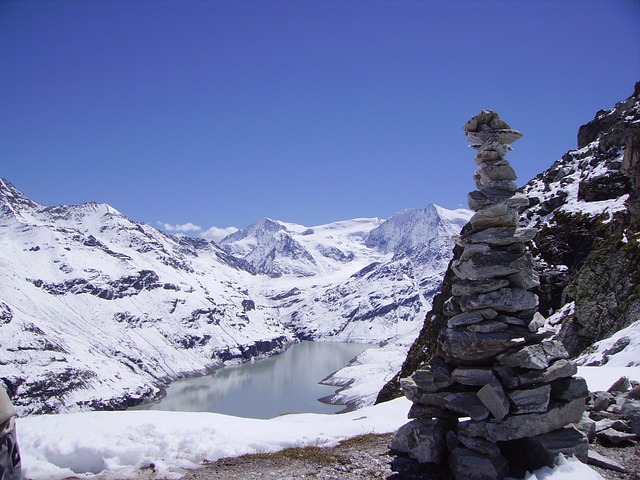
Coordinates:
498	397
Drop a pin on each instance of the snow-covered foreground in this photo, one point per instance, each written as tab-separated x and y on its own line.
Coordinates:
123	444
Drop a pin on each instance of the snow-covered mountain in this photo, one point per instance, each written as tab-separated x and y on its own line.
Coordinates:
98	311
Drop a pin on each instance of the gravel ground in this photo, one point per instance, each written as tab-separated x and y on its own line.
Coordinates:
365	457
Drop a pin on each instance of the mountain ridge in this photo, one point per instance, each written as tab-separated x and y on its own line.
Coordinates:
100	312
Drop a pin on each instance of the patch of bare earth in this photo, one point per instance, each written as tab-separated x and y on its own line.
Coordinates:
358	458
365	457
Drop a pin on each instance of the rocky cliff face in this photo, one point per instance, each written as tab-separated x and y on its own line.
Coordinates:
586	208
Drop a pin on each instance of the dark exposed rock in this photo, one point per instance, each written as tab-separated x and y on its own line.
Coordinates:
598	460
422	440
514	427
468	464
472	375
493	397
534	400
531	453
504	300
467	404
536	357
123	287
567	389
462	346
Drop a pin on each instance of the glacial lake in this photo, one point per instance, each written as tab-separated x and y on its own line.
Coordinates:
284	383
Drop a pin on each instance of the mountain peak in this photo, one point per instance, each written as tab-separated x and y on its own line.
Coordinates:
413	229
13	200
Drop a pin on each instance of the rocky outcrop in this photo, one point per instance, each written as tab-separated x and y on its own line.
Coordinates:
494	388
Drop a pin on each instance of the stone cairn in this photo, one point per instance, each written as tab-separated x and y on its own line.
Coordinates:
497	396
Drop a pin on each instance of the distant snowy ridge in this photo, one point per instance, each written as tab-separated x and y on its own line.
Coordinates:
99	312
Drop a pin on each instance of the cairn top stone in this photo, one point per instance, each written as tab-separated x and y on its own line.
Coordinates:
487	125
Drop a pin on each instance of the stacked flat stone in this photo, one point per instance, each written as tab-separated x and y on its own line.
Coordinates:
496	398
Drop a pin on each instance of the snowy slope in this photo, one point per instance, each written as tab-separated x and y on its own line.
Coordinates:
97	311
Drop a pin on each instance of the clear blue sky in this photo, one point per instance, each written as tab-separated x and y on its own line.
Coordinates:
224	112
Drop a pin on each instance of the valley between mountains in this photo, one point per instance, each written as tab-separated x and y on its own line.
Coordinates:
101	312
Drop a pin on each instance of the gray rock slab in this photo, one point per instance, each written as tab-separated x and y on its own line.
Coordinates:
598	460
499	236
531	453
623	384
498	215
481	445
507	300
587	427
463	319
630	411
488	327
422	440
473	287
493	397
559	369
485	266
494	171
467	404
474	376
433	378
567	389
535	357
525	279
611	436
425	412
478	200
533	400
467	464
460	345
514	427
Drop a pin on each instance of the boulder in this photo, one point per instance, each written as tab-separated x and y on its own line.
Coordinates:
567	389
610	436
621	385
422	440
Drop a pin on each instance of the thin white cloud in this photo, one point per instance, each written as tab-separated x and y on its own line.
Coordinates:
216	233
184	227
